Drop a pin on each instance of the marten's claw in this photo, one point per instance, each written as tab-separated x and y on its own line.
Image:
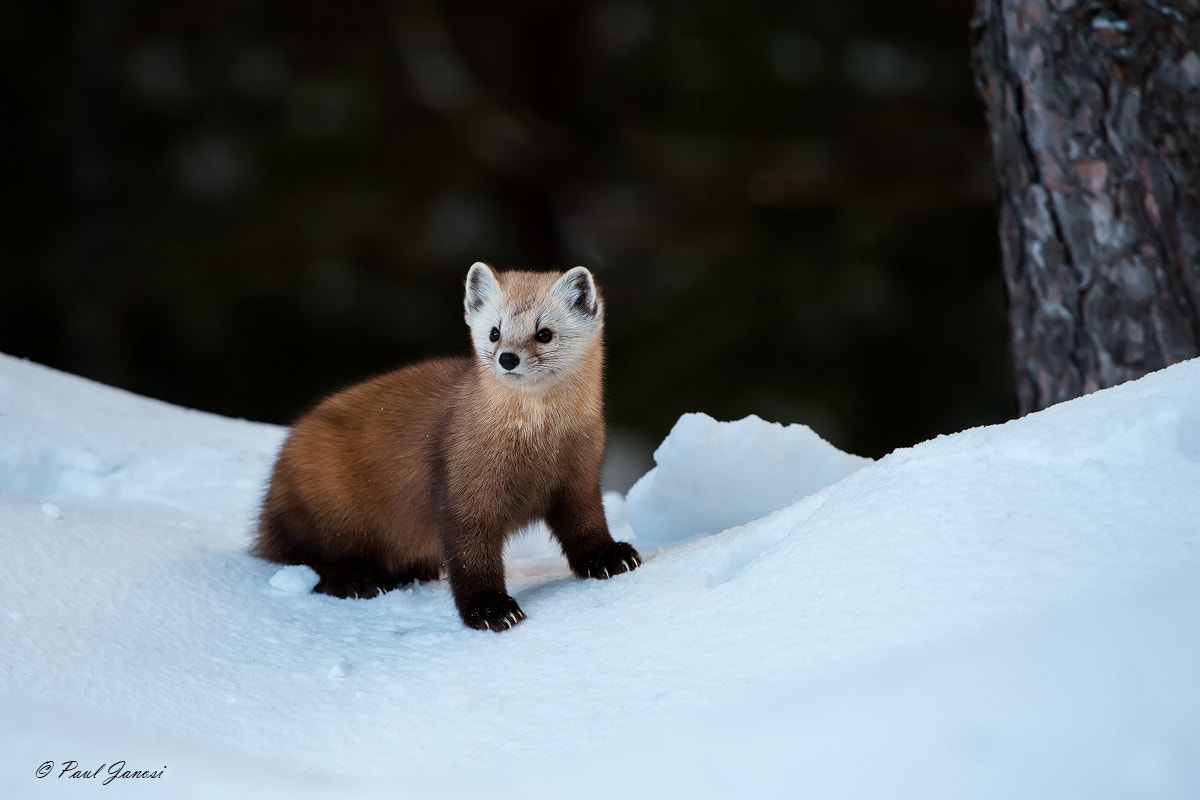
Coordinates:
495	612
612	559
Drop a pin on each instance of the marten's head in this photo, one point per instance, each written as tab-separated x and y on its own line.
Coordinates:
531	329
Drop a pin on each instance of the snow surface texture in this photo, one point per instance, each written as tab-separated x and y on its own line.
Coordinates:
1006	612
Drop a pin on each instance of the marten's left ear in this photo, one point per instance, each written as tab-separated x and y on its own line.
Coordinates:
577	289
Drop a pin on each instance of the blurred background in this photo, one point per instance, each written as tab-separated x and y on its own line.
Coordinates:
242	206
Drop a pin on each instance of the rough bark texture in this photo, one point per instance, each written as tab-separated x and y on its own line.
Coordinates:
1094	112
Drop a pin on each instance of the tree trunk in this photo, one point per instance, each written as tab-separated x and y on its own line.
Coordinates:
1094	112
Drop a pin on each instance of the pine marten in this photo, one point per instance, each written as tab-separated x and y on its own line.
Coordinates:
436	464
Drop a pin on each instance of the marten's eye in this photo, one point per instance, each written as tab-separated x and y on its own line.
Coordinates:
494	335
544	335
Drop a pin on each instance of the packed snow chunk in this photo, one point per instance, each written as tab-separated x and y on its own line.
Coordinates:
711	476
299	579
51	511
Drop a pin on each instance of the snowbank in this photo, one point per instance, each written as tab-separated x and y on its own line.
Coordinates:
1008	611
710	476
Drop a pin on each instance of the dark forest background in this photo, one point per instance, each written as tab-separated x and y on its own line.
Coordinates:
241	206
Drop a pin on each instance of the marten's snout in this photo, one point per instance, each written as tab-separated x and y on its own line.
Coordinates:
509	360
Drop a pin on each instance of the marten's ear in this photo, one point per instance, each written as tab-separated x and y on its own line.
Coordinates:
482	285
577	289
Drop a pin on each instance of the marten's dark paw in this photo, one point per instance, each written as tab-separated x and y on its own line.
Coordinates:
350	579
347	587
611	559
495	612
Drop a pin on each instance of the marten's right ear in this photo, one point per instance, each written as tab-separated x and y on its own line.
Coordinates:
482	285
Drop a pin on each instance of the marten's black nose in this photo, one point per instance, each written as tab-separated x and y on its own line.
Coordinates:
509	360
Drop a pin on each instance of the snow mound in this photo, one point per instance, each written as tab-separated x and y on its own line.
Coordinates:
62	436
299	579
710	476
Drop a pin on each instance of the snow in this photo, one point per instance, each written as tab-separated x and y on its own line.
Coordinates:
750	468
295	579
1003	612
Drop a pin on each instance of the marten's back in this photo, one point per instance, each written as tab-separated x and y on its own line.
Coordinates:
353	479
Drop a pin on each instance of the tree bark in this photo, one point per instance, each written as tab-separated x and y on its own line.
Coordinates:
1094	113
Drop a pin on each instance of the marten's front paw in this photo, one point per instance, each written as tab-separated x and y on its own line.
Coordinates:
496	612
611	559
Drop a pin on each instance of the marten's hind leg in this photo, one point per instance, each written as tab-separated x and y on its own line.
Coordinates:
367	578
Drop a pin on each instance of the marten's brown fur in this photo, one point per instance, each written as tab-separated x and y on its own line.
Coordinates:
438	463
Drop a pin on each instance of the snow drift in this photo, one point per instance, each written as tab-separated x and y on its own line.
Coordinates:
710	476
1007	611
